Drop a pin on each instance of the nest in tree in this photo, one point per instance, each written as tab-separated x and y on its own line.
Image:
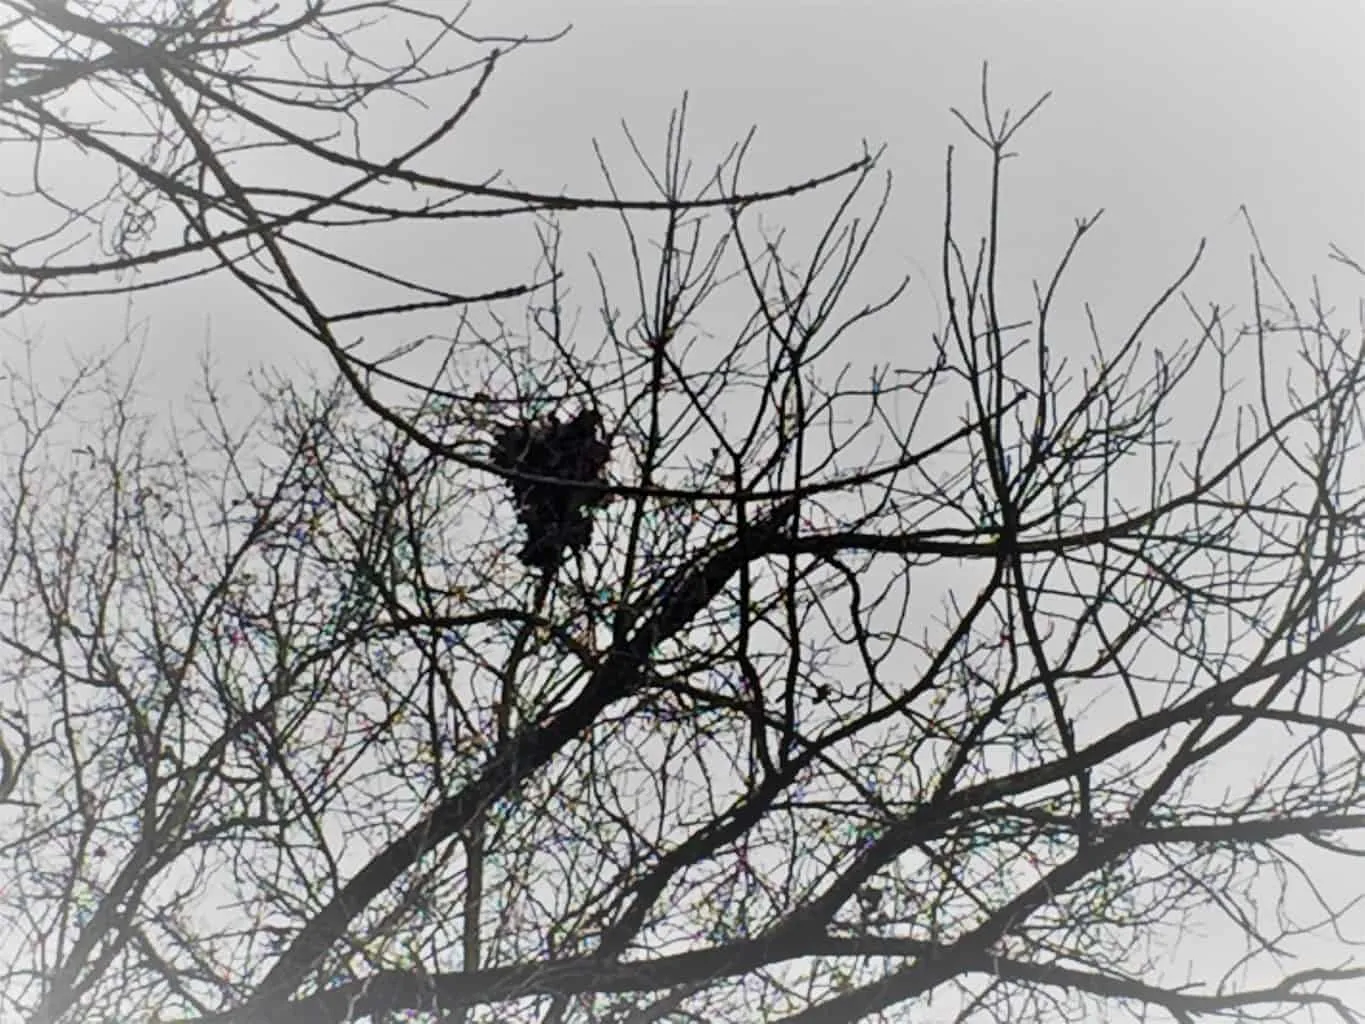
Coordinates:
555	514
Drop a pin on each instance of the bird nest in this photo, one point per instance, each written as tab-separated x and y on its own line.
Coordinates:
555	509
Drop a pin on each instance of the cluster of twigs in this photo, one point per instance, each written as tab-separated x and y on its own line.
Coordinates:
551	459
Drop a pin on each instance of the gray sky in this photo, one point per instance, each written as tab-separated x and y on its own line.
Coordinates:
1168	114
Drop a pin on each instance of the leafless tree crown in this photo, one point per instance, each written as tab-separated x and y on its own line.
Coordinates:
692	666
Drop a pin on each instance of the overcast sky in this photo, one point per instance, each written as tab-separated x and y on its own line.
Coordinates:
1168	113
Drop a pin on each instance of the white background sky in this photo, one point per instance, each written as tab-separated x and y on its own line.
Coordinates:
1168	113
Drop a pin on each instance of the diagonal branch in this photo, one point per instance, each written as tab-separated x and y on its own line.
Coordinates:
617	676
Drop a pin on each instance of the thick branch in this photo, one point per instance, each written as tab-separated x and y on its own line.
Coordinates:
617	677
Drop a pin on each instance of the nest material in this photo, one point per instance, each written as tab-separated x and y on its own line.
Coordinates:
556	515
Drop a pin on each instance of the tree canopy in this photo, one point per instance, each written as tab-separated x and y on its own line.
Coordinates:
691	665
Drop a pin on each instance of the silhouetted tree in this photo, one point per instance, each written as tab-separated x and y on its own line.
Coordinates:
962	672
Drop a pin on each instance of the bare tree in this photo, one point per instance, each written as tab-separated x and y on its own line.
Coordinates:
248	141
603	681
